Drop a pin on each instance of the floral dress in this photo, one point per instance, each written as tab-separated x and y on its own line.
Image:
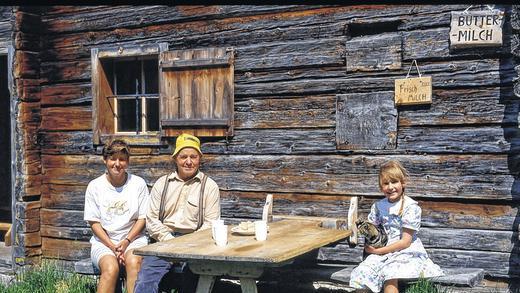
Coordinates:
412	262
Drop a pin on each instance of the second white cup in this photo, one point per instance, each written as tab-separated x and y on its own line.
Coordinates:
261	230
221	232
215	223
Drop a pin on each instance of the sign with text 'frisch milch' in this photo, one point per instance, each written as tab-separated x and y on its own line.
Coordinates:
476	28
413	91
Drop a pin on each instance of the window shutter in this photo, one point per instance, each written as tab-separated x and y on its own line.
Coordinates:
197	92
102	105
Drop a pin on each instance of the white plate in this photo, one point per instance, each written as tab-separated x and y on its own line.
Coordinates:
239	231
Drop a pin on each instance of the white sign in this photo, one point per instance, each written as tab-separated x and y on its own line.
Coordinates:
476	28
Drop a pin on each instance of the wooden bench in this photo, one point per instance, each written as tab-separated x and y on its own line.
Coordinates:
466	277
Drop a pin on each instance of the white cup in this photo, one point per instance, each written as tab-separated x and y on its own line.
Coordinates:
221	232
261	230
214	223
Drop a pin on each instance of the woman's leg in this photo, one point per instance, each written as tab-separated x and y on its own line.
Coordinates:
109	268
132	266
391	286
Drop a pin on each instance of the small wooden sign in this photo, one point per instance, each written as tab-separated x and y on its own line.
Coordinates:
476	28
413	91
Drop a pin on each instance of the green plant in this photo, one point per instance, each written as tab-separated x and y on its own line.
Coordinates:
424	286
49	277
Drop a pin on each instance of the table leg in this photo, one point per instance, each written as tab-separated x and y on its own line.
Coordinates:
205	284
248	285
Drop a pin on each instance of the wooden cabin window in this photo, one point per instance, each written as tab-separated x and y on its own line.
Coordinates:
145	94
197	92
136	95
125	93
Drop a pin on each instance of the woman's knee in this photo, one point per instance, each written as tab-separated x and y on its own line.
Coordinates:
109	266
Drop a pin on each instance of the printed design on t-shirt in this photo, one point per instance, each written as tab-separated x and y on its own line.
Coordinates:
117	208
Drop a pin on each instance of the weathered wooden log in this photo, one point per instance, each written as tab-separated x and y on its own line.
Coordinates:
65	249
275	175
242	203
300	112
464	106
459	140
28	90
293	26
73	233
449	107
66	118
26	65
66	94
127	16
374	52
432	44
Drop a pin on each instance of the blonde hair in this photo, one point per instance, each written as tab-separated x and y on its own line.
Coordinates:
391	171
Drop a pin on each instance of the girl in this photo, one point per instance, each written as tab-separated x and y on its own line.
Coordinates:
404	255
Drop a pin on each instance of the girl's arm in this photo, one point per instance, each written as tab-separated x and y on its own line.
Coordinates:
403	243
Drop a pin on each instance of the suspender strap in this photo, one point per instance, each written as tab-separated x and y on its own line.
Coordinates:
201	202
163	196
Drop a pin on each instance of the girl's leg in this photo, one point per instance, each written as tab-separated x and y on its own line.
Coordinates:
391	286
109	268
132	266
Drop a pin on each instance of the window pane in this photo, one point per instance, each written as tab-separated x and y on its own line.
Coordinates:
151	76
127	116
152	114
128	75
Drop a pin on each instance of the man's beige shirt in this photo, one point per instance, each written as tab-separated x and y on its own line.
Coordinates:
181	209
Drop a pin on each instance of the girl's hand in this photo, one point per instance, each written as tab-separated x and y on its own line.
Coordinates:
372	250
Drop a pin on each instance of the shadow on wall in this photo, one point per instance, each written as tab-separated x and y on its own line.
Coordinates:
512	135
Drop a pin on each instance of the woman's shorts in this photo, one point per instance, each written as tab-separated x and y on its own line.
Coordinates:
98	249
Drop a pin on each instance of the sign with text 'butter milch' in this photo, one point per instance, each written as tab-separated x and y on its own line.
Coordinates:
476	28
413	91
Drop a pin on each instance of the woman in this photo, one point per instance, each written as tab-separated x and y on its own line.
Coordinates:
115	208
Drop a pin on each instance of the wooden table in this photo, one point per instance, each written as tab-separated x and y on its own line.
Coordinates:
244	257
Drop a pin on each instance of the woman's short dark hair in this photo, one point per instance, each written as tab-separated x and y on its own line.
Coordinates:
116	146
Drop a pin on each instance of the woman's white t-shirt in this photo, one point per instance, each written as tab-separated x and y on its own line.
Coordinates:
116	208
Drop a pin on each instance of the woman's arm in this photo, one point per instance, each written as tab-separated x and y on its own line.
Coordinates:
121	247
102	235
403	243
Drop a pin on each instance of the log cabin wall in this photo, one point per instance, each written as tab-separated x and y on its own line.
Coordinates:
24	49
293	65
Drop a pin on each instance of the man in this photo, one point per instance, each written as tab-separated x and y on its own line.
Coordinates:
115	207
175	208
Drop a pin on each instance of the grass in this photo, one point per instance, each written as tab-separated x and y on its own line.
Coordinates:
424	286
49	277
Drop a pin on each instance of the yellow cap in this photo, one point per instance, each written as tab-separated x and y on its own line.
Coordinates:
186	140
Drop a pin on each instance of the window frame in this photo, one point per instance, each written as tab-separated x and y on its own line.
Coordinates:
102	128
143	96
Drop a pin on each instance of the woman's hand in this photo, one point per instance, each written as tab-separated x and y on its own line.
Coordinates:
120	250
